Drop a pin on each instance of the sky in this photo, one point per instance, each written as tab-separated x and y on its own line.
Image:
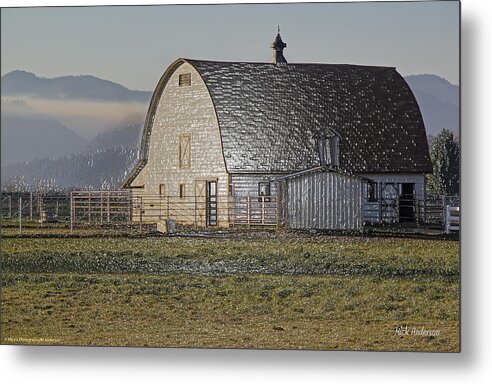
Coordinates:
133	45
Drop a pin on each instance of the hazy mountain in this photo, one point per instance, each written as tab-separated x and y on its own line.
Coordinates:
99	169
84	87
438	100
40	149
32	137
127	136
101	163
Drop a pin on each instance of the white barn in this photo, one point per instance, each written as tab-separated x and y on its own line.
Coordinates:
216	132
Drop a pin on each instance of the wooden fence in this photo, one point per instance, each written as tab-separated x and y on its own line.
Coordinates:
452	220
192	211
35	206
77	209
431	210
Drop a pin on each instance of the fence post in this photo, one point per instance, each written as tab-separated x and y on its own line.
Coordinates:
10	206
141	202
194	214
56	208
20	215
90	207
443	200
263	210
424	208
109	209
72	212
101	202
248	211
130	207
41	208
30	206
446	220
278	206
232	210
380	206
168	208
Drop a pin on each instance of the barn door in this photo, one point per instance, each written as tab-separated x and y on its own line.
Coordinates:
200	202
407	203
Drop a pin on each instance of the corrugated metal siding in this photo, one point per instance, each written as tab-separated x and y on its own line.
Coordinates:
324	200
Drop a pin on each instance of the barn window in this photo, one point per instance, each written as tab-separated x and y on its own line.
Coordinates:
372	191
231	186
328	150
185	80
334	150
263	190
182	191
162	189
184	151
322	150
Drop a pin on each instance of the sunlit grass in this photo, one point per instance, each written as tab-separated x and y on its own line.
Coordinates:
343	293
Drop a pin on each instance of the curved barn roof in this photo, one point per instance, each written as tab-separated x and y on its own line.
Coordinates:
269	115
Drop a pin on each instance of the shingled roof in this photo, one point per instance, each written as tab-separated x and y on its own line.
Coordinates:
270	114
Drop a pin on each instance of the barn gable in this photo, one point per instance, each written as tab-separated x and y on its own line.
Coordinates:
181	144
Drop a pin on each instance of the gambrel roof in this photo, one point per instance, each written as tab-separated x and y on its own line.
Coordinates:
270	114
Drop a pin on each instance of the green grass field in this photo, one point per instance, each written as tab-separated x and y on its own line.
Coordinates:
335	293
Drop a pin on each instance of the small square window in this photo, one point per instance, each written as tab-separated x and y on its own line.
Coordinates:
264	190
185	80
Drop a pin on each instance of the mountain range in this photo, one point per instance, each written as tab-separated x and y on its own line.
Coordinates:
83	87
103	163
439	102
47	138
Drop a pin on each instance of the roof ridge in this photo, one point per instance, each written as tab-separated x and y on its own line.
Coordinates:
290	64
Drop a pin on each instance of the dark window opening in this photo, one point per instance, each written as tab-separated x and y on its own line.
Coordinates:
182	191
185	80
372	191
407	202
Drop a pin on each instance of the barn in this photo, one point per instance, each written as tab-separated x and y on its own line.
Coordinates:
232	143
